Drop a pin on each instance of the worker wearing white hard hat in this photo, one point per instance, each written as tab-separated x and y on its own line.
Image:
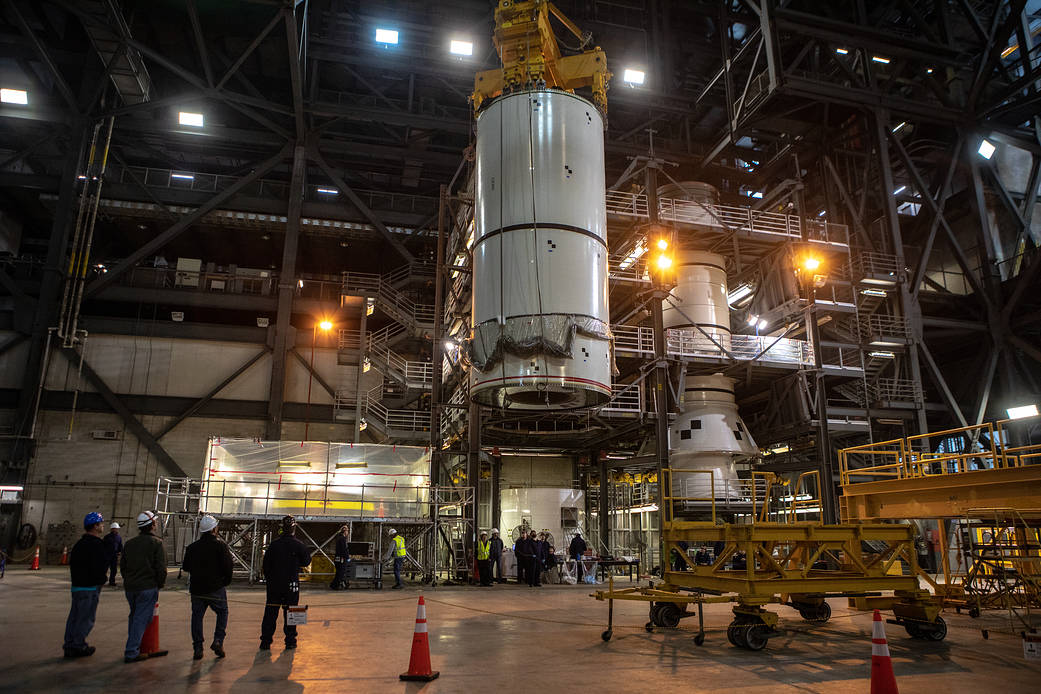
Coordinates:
113	548
208	562
143	567
495	545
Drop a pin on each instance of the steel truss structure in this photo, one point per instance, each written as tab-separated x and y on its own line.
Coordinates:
851	128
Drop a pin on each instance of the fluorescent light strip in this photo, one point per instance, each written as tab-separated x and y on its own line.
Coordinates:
386	36
1022	411
14	96
183	177
328	191
880	59
461	48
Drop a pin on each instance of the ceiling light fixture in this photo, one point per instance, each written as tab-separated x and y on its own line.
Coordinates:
386	36
461	48
195	120
14	96
633	77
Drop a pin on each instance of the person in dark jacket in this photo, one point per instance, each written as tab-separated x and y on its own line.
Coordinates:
535	560
495	547
282	563
113	548
208	561
341	558
143	567
576	550
87	566
522	550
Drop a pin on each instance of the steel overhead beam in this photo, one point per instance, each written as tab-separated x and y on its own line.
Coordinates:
198	404
314	373
120	408
41	51
943	195
183	223
295	81
200	42
249	49
352	112
361	206
942	383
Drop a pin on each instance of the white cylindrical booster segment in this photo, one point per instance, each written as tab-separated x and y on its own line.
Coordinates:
709	436
699	300
540	254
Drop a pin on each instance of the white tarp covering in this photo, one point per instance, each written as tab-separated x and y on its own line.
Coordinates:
312	478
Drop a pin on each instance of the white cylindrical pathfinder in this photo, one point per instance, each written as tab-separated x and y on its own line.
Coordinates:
541	338
699	301
709	436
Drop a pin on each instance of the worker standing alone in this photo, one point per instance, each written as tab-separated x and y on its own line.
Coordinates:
282	563
484	564
113	548
340	559
208	561
143	567
495	548
577	550
87	565
398	551
534	568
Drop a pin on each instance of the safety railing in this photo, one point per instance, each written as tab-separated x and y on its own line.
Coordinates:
871	265
393	301
625	397
633	338
895	390
348	339
982	447
691	342
308	495
408	372
876	326
700	491
731	218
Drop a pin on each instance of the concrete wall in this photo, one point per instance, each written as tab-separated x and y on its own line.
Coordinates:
536	471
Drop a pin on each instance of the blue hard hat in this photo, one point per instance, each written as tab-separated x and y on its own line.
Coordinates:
92	519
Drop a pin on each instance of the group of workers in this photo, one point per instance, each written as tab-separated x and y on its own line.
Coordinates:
533	551
142	565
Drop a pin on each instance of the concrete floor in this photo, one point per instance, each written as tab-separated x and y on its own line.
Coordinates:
506	638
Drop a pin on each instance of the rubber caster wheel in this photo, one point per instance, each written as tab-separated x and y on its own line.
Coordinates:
938	632
913	631
985	633
736	635
974	612
669	616
606	636
649	627
816	613
755	637
699	639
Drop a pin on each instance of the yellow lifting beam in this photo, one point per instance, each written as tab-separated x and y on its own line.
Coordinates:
531	57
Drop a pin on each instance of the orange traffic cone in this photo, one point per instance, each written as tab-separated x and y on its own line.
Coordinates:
65	555
35	566
150	641
419	662
882	679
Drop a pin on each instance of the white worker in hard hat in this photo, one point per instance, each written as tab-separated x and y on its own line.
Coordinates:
208	562
398	553
143	568
495	547
113	549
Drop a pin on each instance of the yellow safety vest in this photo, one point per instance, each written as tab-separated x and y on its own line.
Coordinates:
483	550
399	546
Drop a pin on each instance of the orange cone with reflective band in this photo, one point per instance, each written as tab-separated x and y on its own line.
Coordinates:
419	662
882	679
150	641
35	566
65	555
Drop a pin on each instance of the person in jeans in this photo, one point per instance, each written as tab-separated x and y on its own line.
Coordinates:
143	567
208	561
576	550
495	557
87	566
113	548
282	563
341	558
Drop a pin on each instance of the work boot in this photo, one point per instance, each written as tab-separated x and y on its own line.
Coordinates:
397	586
197	655
218	648
265	645
290	646
136	659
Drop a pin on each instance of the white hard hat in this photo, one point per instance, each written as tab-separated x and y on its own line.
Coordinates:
392	531
207	524
146	518
115	526
495	530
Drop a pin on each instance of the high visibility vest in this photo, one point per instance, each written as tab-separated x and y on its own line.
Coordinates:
483	550
399	546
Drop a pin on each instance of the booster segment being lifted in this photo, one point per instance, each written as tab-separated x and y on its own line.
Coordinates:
541	337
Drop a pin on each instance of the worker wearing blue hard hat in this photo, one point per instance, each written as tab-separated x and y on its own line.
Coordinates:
88	566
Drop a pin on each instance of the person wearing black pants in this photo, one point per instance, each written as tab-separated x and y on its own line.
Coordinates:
340	559
535	561
523	550
495	556
113	548
282	563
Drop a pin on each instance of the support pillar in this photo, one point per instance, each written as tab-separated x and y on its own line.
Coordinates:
604	508
360	392
286	290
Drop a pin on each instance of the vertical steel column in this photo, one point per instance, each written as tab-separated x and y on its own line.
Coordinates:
496	495
661	366
825	465
603	509
286	290
473	462
909	306
359	390
437	352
